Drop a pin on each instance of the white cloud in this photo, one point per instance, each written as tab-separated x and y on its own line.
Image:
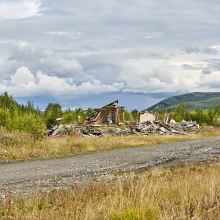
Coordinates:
46	60
56	32
217	47
24	83
22	76
70	34
60	66
155	35
19	9
94	47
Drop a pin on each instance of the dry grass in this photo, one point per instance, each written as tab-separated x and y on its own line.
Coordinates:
181	193
22	146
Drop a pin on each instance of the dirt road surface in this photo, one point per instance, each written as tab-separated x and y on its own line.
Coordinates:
26	177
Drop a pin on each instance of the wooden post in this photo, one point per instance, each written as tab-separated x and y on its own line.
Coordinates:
157	116
164	118
167	118
170	118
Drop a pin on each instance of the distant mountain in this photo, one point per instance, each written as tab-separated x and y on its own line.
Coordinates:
194	100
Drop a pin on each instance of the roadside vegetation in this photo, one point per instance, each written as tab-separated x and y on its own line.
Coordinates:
18	145
22	130
181	193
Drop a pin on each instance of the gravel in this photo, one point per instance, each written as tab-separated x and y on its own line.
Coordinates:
43	175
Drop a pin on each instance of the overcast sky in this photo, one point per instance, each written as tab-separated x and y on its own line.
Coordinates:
89	53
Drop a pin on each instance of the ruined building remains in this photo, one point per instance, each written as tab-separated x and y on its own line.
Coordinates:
107	114
146	116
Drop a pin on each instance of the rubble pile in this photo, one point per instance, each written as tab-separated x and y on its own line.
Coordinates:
106	121
132	128
156	127
58	129
105	131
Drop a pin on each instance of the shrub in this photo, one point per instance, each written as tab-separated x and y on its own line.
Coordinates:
5	118
216	121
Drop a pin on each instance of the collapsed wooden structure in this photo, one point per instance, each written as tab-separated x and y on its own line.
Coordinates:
108	114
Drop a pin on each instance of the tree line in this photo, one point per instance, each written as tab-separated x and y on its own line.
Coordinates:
28	119
208	117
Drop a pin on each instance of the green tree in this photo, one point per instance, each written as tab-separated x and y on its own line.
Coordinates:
200	117
30	107
52	112
217	109
135	114
210	116
34	125
5	118
180	113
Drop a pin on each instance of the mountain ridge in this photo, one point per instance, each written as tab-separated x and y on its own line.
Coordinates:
196	99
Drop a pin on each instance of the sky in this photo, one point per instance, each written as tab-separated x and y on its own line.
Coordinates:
90	53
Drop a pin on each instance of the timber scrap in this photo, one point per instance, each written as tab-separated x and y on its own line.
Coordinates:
108	114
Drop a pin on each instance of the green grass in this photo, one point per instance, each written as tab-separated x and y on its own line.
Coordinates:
135	214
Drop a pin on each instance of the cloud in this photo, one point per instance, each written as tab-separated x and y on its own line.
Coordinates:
155	35
211	81
46	60
216	47
22	77
189	67
206	72
24	83
130	47
190	50
19	9
210	51
214	64
21	51
206	50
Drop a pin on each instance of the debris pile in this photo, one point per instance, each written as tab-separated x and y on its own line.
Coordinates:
156	127
106	121
129	128
103	131
59	129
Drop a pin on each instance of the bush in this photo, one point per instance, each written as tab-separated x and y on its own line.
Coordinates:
5	118
216	121
34	125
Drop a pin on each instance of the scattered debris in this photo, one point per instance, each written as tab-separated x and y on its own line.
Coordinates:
58	121
106	121
130	128
61	129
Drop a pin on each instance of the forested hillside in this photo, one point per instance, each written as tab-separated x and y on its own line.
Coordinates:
192	100
209	103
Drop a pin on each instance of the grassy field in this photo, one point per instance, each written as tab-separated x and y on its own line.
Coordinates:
22	146
181	193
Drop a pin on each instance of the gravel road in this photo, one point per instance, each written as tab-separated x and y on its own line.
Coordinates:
26	177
